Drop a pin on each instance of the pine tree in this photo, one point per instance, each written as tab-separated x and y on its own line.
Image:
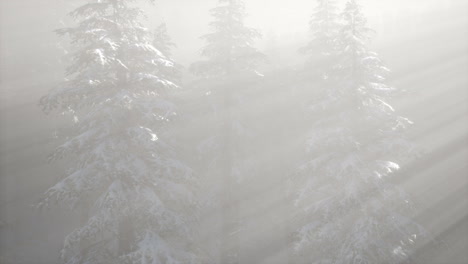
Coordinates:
122	165
229	48
350	211
228	70
324	25
163	43
321	52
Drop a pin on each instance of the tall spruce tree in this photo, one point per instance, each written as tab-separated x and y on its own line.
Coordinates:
228	69
229	48
163	43
350	211
321	55
119	98
321	49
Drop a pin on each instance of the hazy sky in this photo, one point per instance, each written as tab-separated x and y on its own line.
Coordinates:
25	21
426	51
188	19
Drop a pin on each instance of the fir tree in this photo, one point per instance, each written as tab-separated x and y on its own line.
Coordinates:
228	70
162	41
350	211
321	54
229	48
324	25
122	165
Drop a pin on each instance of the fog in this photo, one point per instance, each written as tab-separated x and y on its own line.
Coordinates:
260	158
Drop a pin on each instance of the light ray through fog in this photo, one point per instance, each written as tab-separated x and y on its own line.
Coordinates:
422	42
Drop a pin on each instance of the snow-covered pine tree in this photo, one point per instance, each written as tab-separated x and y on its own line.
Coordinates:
321	49
229	48
228	70
321	55
162	42
122	165
350	211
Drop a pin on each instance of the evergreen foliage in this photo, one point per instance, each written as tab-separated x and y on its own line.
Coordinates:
119	97
350	211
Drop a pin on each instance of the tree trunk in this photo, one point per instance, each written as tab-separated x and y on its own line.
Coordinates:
84	216
230	236
125	236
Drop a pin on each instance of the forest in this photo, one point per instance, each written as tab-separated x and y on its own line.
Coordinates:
233	132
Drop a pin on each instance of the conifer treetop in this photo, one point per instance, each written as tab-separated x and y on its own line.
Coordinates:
162	41
229	48
352	212
120	161
323	25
